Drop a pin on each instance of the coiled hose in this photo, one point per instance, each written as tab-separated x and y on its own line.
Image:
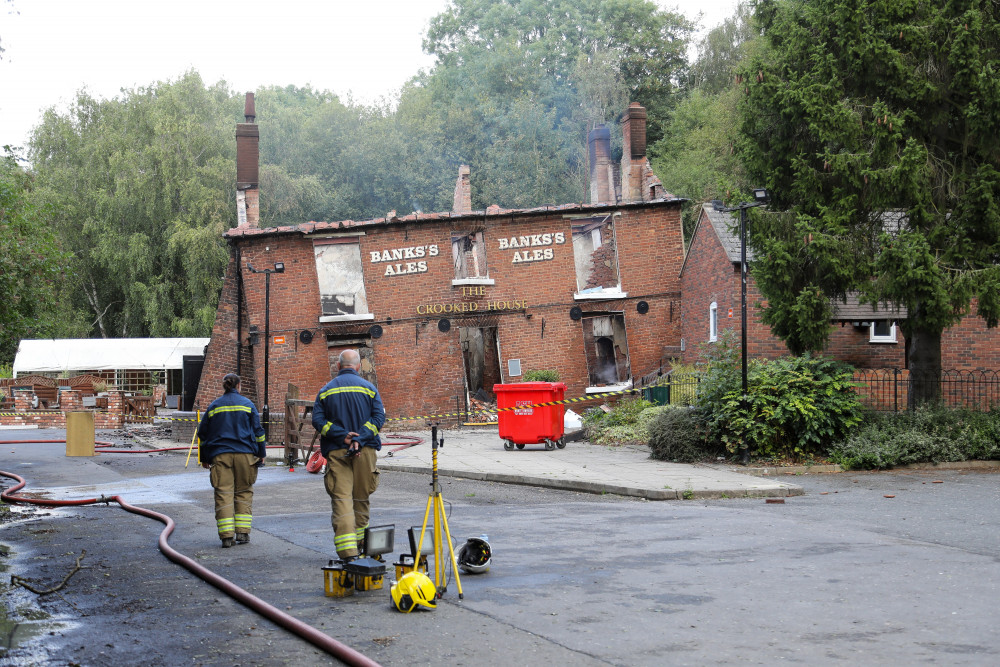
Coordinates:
318	639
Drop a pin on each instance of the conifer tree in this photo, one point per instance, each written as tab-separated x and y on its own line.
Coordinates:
875	124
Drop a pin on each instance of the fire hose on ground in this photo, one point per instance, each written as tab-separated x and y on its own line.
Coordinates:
307	632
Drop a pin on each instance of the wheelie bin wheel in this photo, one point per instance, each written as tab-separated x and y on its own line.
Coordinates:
508	445
549	444
561	443
520	445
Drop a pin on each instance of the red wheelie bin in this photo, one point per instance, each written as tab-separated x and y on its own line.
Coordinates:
529	423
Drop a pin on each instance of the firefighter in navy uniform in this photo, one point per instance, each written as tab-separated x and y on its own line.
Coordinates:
232	445
348	414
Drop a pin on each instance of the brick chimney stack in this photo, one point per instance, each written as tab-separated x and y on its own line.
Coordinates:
634	153
247	165
463	191
602	178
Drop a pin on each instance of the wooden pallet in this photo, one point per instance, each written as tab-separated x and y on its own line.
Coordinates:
299	432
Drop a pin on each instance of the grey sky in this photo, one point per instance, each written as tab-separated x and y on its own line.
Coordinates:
366	49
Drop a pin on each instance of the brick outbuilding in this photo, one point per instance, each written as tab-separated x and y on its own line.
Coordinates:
862	336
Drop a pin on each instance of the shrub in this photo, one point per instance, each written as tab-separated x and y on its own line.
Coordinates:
679	434
926	435
796	406
542	375
627	411
626	423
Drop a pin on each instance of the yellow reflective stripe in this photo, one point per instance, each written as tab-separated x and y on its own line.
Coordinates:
326	427
348	541
371	427
346	390
228	408
243	520
261	438
225	524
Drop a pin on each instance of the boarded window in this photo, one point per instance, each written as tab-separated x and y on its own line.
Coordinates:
341	283
468	250
595	254
606	349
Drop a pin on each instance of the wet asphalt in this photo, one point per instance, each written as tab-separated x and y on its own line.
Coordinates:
865	568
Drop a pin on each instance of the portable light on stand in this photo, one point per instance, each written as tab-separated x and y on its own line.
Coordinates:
761	197
279	267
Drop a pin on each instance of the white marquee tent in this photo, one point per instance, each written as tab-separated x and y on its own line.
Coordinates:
104	354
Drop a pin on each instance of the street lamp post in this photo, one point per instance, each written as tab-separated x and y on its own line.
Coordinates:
279	267
761	197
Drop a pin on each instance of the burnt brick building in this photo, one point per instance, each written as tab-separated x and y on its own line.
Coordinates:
444	305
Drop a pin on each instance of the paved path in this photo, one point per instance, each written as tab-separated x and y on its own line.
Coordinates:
581	466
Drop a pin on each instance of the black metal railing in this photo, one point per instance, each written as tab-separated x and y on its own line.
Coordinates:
889	389
881	389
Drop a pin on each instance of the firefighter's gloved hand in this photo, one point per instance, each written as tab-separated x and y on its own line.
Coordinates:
354	449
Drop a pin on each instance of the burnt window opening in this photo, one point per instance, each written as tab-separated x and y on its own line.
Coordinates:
337	343
468	250
606	349
481	358
596	256
340	277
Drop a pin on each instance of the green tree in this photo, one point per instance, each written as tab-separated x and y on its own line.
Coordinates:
722	50
695	158
649	43
140	188
31	263
876	126
518	84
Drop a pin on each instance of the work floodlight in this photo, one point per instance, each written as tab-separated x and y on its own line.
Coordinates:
380	540
279	267
426	547
761	195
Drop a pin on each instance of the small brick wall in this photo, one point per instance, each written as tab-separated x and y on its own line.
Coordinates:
69	401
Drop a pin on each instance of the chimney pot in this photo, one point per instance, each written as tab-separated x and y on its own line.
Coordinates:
249	110
463	191
601	176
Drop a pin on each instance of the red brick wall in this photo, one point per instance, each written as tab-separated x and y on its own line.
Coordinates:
710	276
419	368
851	344
969	345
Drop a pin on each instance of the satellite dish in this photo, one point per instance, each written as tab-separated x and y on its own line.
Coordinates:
375	331
444	326
575	313
642	307
306	336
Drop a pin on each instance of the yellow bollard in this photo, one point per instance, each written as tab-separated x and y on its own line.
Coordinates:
79	434
194	439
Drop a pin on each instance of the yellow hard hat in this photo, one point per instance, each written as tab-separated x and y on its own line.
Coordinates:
414	588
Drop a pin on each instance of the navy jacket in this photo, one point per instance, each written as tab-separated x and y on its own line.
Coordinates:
231	424
348	403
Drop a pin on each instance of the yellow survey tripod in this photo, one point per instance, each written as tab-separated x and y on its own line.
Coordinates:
440	521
